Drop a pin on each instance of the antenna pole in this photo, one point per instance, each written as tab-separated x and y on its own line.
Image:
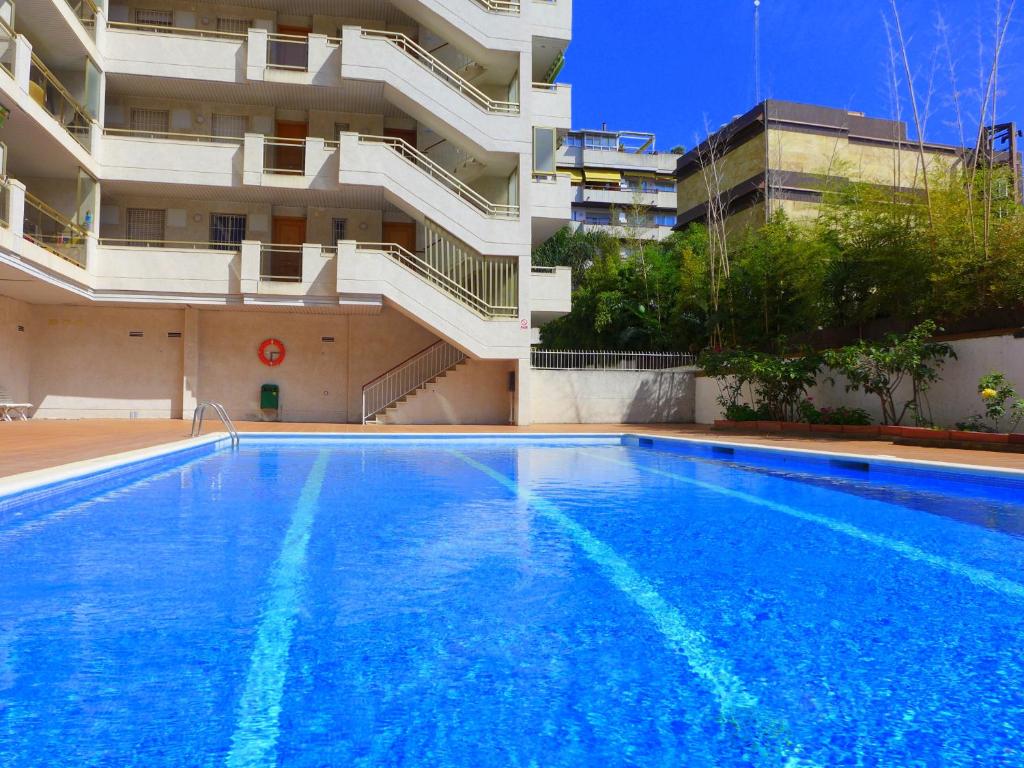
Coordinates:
757	51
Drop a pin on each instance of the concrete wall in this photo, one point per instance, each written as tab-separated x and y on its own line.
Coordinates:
953	399
474	393
612	397
15	357
84	364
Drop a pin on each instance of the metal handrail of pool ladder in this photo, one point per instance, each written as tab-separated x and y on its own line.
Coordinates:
221	411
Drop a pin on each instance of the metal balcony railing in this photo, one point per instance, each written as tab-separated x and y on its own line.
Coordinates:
50	229
160	29
173	245
288	52
443	177
85	11
48	92
481	288
511	7
172	136
443	72
282	155
405	378
280	263
597	360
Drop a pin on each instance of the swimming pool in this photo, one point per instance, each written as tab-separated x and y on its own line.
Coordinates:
513	602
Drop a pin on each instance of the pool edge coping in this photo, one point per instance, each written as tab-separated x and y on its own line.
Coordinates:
28	481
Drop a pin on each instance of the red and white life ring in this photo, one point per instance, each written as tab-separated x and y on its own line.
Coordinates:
272	352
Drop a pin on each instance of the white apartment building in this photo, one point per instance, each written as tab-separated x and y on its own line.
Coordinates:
336	199
621	184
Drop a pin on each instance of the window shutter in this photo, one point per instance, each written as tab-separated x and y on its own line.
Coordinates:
145	226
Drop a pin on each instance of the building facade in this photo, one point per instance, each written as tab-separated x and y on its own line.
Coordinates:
338	200
783	156
621	184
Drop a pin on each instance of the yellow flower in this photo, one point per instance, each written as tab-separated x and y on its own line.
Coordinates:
988	393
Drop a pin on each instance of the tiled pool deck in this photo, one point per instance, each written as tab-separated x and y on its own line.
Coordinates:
34	445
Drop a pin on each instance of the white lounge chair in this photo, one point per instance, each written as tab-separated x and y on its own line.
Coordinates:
13	411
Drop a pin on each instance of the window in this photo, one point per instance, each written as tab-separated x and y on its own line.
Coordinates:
154	18
144	227
339	227
227	231
150	120
573	140
544	151
665	219
233	126
238	26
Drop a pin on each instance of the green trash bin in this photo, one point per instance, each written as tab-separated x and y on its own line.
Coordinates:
270	397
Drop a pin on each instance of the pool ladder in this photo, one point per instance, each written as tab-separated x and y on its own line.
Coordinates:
222	414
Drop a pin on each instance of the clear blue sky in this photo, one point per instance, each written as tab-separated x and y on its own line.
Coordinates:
672	66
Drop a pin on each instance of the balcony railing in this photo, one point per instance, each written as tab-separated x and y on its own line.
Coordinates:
171	245
172	136
443	72
288	52
183	31
592	360
443	177
85	11
8	48
283	155
281	263
475	288
499	6
47	91
53	231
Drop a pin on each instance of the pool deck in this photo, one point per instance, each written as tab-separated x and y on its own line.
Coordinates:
33	445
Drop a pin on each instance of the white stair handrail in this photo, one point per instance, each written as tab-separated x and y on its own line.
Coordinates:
442	71
422	161
407	377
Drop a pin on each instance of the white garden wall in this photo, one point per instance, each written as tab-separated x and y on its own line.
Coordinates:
953	399
612	397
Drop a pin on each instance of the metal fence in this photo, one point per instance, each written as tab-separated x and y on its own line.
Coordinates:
594	360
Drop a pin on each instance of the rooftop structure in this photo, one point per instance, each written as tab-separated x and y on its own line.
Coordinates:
621	184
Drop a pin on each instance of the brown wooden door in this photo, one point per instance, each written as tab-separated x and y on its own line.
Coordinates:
400	233
289	53
406	135
283	260
288	156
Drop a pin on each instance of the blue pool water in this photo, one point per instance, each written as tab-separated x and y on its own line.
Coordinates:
534	603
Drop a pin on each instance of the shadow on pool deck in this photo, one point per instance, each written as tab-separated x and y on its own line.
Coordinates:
39	444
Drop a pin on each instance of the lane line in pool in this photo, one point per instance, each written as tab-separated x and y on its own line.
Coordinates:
254	742
734	701
715	671
978	576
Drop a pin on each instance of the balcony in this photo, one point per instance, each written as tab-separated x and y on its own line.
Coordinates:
293	59
54	232
46	90
309	163
551	198
550	293
186	268
175	52
288	271
175	158
552	105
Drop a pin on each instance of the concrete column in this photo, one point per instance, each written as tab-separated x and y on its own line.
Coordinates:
250	279
16	207
190	363
313	159
317	54
256	54
22	61
252	159
524	417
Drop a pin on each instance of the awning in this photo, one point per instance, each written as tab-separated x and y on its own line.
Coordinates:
639	175
574	173
603	177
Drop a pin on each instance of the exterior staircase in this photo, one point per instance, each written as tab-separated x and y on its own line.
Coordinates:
394	387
